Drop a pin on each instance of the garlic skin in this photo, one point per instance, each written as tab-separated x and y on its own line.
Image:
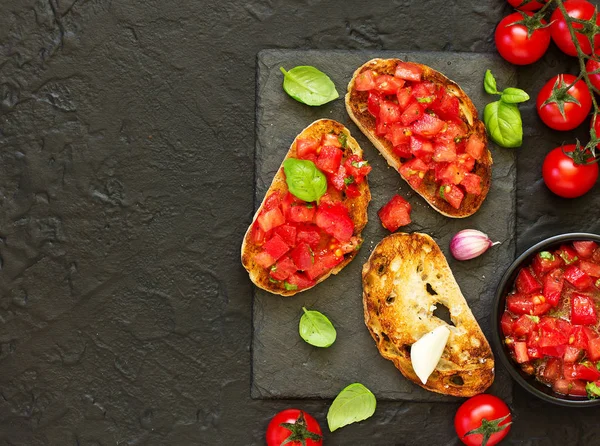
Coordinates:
470	243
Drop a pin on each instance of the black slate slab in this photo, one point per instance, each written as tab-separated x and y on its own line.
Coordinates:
284	366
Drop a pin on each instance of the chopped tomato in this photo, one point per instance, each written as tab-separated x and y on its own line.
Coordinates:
302	256
593	349
423	93
444	151
521	352
323	262
553	285
414	171
475	146
386	84
583	311
523	304
412	112
428	126
578	278
335	221
300	280
568	254
276	246
551	337
556	351
421	148
352	191
310	235
451	173
402	151
398	134
258	236
524	325
448	105
404	96
329	159
357	167
578	337
395	213
301	213
408	71
569	387
338	180
506	322
572	354
374	103
283	269
545	261
272	201
472	183
330	139
465	161
452	194
270	219
365	81
585	248
590	268
287	233
553	370
305	146
586	372
264	259
534	352
526	283
390	112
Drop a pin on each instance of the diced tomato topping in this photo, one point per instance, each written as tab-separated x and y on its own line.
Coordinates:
534	352
398	134
572	354
578	337
506	323
390	112
264	259
526	283
452	194
338	180
323	262
585	248
329	159
408	71
283	269
583	311
444	151
330	139
270	219
302	256
428	126
557	351
357	167
257	235
586	372
521	352
553	370
475	146
308	234
465	161
414	171
287	233
381	128
421	148
301	213
472	183
276	246
374	103
402	151
568	254
335	221
524	325
424	93
593	349
352	191
569	387
551	337
395	213
589	268
578	278
386	84
365	81
553	285
451	173
545	261
523	304
305	146
300	280
448	106
404	96
412	112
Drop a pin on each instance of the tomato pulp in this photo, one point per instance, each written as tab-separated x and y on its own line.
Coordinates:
550	323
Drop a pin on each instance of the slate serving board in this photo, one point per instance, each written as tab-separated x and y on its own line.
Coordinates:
284	366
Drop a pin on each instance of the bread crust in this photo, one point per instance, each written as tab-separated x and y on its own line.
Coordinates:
356	107
357	208
404	278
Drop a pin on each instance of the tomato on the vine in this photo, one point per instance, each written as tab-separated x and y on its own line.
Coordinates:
530	6
513	42
568	177
593	65
294	427
579	9
482	416
576	102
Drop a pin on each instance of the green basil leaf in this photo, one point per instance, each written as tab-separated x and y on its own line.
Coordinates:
514	95
354	403
309	85
503	122
593	390
304	180
489	83
316	329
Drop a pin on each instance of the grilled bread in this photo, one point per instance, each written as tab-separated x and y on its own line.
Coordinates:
404	279
429	188
328	254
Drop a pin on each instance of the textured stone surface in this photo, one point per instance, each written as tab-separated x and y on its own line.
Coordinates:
126	184
283	364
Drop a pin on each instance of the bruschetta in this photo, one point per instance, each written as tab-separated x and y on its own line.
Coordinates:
309	223
427	129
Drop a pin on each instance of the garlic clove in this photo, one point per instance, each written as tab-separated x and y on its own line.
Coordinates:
470	243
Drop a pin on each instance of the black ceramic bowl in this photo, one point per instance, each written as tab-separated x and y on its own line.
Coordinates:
528	382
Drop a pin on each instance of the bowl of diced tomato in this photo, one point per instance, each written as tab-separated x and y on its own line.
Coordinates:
547	319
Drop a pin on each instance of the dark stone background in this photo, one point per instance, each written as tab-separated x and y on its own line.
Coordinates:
126	184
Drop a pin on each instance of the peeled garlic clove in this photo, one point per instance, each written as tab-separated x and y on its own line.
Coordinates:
470	243
427	351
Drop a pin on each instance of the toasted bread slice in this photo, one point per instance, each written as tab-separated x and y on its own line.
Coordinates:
357	209
356	105
404	279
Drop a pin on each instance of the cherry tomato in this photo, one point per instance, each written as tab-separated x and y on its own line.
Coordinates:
579	9
486	407
574	114
566	178
596	127
593	65
294	427
513	43
531	6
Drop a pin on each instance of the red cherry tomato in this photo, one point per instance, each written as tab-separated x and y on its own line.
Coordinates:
566	178
574	114
513	43
593	65
596	127
294	427
531	6
470	414
579	9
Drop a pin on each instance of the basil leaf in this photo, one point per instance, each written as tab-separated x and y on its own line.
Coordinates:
593	390
316	329
514	95
489	83
309	85
504	124
304	180
354	403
